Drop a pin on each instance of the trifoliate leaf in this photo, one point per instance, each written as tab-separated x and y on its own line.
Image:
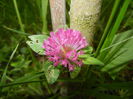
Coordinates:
36	43
51	73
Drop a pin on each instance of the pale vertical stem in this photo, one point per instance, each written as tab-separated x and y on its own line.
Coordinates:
44	15
84	15
58	13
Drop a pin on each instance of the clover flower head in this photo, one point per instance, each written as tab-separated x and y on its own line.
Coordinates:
64	46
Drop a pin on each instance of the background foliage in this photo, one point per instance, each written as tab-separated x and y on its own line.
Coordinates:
22	71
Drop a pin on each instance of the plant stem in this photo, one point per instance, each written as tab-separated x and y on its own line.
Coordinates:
18	16
44	14
21	25
47	87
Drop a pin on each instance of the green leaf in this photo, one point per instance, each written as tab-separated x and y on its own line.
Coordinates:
92	61
120	53
51	73
88	50
28	77
36	43
84	56
3	78
108	26
21	63
75	73
114	28
16	31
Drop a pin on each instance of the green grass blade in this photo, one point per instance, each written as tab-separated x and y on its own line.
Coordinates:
120	53
28	77
20	83
127	36
115	28
3	78
116	4
118	46
18	15
16	31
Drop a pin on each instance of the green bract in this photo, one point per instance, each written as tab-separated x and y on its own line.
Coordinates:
88	60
